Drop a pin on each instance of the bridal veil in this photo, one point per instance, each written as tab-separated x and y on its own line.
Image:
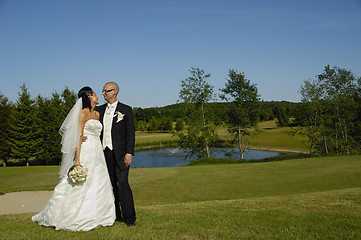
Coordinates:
70	132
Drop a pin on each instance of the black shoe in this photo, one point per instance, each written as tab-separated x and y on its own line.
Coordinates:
130	224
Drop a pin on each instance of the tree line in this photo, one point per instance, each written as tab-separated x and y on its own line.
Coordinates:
329	114
157	119
30	126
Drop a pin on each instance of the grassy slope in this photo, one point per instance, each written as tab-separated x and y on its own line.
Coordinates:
277	138
323	215
219	182
317	198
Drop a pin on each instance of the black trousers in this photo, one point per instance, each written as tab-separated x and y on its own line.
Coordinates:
122	192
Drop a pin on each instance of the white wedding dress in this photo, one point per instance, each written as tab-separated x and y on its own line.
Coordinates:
84	206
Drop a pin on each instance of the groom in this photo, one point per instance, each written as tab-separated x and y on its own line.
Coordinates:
118	138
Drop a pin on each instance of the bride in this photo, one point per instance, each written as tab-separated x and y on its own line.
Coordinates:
86	205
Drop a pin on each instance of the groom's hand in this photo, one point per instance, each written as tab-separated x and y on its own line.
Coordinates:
127	159
84	138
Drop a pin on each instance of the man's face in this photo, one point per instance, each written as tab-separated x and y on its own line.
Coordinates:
108	92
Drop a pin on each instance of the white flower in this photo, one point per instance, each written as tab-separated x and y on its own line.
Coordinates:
77	173
120	116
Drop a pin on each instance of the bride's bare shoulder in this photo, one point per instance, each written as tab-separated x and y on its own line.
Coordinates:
85	112
97	115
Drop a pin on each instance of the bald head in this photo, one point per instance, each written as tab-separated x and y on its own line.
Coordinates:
110	92
112	85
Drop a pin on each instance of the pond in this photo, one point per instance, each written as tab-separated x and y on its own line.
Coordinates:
175	157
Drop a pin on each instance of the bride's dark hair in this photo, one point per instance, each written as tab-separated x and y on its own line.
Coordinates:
84	93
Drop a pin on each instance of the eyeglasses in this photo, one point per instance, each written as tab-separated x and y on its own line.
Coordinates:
106	91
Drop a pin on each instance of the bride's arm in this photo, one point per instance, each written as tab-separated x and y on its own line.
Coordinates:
82	124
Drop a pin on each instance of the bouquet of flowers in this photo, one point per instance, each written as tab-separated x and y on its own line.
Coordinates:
77	173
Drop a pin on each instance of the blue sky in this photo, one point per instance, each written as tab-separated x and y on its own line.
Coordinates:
147	47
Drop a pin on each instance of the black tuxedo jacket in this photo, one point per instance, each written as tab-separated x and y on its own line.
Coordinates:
123	132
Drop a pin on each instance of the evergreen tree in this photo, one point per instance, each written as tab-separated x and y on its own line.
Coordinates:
22	137
69	98
5	109
41	111
49	122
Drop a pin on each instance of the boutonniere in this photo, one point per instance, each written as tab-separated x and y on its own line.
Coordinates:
120	116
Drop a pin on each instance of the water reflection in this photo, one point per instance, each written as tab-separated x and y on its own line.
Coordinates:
175	157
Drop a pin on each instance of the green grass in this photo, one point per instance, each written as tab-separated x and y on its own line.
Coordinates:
13	179
277	138
148	137
313	198
273	138
324	215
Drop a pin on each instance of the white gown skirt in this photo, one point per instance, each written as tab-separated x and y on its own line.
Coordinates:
82	207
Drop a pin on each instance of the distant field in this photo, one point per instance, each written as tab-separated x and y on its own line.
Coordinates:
278	138
146	137
271	138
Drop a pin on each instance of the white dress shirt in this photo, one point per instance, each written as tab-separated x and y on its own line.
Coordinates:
107	124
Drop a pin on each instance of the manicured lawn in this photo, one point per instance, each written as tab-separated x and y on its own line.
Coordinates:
315	198
13	179
278	139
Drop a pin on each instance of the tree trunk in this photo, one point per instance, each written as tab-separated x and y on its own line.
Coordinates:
204	125
322	127
240	142
336	138
325	143
345	137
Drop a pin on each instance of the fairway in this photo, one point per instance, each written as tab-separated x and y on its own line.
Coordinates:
315	198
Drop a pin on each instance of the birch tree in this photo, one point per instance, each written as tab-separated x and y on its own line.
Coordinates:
200	134
243	114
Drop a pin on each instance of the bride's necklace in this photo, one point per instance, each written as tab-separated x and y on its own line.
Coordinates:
93	114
